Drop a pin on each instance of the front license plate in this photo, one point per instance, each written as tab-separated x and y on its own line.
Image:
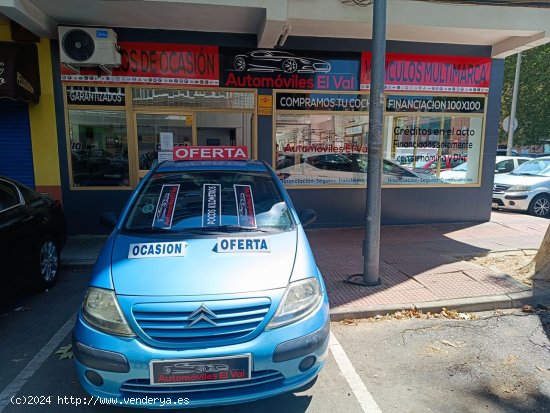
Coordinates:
193	371
494	205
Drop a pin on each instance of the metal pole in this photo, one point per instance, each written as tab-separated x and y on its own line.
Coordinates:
371	245
513	110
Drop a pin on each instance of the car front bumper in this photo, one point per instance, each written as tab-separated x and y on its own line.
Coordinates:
123	365
518	201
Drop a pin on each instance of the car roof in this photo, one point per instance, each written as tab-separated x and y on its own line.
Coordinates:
237	166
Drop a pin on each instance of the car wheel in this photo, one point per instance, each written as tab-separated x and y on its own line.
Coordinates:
540	206
290	66
240	64
47	260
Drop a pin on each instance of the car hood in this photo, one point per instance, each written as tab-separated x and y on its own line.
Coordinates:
203	270
509	179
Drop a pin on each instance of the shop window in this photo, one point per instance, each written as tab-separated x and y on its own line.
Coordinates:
157	134
440	142
99	148
445	149
193	98
224	129
317	150
427	139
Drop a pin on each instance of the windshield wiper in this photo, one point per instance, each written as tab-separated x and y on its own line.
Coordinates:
224	228
150	230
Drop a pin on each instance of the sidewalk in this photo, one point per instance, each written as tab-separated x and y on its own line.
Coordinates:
420	265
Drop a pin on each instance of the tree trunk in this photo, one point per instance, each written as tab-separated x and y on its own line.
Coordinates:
542	259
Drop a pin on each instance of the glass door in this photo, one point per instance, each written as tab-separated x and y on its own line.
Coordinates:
158	133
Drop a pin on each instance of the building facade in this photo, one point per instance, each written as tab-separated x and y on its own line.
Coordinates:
296	94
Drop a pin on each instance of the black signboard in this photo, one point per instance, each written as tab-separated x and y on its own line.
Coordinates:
333	102
90	95
435	104
19	75
282	69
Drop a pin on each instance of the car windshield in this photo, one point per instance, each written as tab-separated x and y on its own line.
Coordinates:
537	167
209	201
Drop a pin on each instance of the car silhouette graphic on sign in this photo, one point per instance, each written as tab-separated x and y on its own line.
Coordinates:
278	61
182	368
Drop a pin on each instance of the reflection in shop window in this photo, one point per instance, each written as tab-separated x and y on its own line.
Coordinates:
321	149
99	148
436	146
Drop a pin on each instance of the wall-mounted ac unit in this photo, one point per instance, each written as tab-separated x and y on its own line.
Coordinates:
88	46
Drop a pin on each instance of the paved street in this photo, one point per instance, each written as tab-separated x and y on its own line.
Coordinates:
494	364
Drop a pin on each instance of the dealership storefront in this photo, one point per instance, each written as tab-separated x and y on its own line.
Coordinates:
304	112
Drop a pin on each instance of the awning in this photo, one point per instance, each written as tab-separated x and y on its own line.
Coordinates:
19	77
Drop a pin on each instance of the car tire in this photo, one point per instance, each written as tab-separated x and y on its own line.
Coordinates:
540	206
240	64
47	263
290	66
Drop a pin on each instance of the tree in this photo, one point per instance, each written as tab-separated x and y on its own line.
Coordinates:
533	107
542	259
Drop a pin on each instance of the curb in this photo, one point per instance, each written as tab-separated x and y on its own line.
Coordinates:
470	304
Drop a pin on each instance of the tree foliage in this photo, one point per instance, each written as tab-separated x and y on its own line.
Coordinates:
533	105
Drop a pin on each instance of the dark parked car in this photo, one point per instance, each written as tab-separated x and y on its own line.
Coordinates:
331	162
32	233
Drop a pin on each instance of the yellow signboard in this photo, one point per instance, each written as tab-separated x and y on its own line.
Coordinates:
265	105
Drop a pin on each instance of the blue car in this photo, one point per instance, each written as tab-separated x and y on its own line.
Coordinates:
206	293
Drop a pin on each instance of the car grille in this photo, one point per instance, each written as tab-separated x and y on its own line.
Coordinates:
184	325
498	201
500	187
260	381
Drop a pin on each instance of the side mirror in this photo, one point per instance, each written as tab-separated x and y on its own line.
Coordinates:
108	219
307	216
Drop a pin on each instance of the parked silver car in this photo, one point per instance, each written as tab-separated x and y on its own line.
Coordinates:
526	188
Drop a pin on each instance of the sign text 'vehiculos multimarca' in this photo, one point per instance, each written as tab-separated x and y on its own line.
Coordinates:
157	63
431	73
210	153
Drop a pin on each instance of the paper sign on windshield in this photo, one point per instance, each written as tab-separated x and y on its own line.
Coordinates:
211	205
245	206
166	206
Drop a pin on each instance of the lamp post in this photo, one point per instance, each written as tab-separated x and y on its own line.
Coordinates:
371	243
511	127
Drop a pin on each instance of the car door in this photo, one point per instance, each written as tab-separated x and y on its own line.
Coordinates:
15	228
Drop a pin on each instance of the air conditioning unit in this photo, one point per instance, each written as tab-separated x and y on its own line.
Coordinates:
88	46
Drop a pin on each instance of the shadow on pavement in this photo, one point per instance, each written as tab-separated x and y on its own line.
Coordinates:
420	263
516	401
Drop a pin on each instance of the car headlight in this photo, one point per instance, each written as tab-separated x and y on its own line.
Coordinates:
100	309
300	299
519	188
